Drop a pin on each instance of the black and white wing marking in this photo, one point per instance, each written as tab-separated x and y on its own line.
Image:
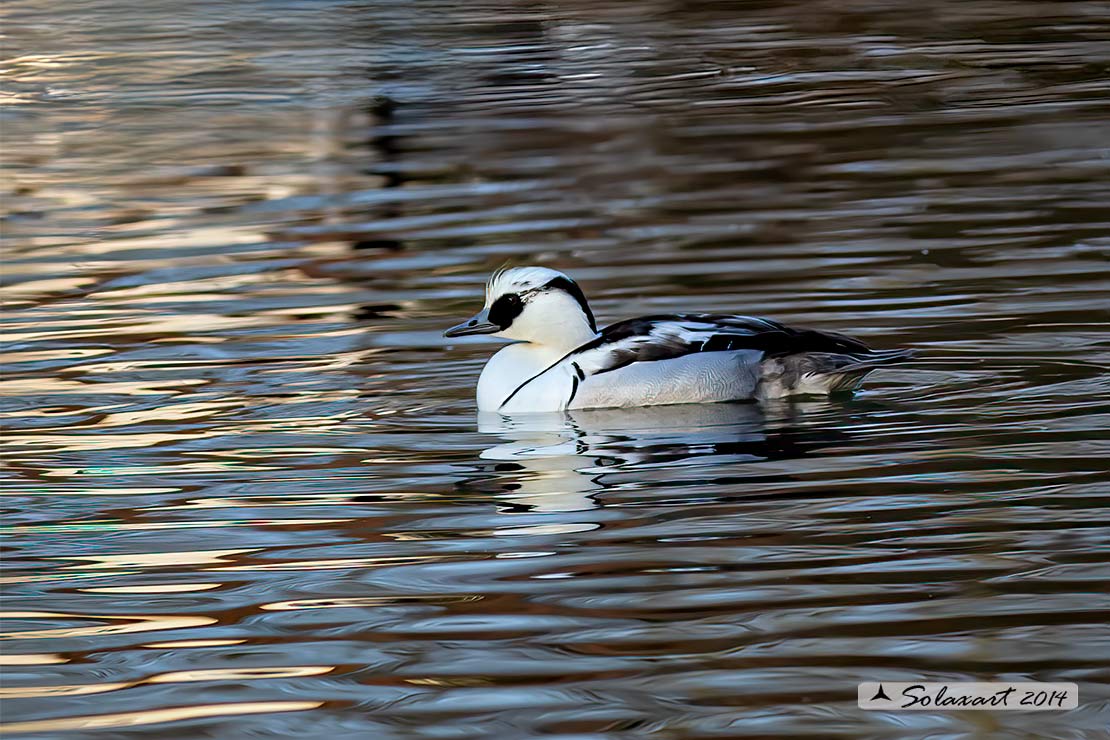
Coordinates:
652	338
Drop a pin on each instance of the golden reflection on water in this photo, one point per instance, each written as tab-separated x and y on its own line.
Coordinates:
164	588
65	386
156	716
51	354
134	623
173	644
67	576
215	674
88	326
322	499
32	659
459	681
121	491
39	692
156	559
378	562
126	526
101	471
103	441
173	412
242	674
358	601
34	288
227	308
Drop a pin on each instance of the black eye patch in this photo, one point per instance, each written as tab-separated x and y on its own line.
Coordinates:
505	309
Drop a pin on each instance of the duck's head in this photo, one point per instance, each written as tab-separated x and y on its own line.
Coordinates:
532	304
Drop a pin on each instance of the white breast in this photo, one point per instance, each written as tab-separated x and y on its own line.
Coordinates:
512	367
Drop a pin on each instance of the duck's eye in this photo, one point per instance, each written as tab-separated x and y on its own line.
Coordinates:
505	309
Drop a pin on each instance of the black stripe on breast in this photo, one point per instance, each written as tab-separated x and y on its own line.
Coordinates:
579	376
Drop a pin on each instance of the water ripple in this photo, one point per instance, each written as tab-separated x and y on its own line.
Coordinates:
245	489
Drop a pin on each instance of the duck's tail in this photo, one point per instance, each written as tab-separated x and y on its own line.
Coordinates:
821	373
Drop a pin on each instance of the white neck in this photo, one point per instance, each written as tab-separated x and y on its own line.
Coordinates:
564	334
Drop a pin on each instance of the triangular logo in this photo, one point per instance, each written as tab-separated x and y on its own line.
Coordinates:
880	694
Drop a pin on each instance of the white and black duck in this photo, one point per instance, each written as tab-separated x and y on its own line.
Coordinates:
560	360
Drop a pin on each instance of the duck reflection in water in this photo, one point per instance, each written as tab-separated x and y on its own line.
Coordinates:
561	461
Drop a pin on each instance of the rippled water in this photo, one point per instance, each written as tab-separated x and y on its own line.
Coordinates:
248	492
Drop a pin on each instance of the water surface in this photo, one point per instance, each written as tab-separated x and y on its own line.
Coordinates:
248	491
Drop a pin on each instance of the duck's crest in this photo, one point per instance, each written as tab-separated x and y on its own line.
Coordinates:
495	278
519	279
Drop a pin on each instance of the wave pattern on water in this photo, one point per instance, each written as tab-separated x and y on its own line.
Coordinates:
246	491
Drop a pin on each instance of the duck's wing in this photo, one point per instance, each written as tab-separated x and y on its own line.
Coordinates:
636	347
653	338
